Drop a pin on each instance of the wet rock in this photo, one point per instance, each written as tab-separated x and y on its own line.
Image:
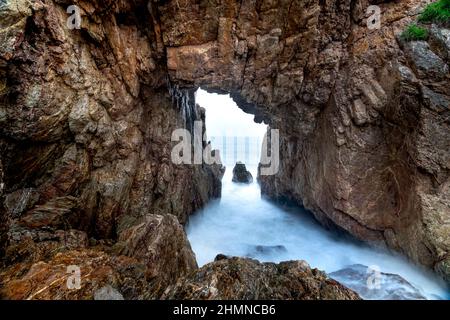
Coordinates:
387	287
221	257
443	267
240	174
239	278
266	250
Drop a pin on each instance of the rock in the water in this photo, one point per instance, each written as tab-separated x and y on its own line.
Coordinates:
387	287
242	278
240	173
78	274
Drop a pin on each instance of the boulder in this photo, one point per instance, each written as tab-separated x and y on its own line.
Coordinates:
247	279
151	253
240	173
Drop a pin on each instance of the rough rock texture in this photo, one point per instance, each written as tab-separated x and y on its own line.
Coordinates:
241	174
150	254
363	118
160	243
48	280
248	279
86	118
107	293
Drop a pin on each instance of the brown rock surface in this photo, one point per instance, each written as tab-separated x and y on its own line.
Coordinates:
160	243
363	117
49	280
248	279
150	254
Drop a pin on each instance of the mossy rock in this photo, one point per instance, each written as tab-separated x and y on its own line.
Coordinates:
414	33
436	12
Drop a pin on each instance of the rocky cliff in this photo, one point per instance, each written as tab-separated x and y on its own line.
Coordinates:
86	117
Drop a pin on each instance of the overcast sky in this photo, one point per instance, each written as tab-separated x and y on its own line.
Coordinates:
224	118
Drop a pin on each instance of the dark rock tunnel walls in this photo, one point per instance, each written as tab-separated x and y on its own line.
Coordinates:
86	118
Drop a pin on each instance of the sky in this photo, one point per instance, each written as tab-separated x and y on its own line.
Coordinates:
224	118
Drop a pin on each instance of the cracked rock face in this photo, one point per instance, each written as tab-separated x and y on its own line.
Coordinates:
86	118
241	174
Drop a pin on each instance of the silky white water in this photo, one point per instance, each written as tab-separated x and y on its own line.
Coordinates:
241	219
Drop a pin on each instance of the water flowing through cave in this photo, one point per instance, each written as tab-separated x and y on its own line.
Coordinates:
243	223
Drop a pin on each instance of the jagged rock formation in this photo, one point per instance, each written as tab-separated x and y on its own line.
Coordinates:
149	255
387	287
248	279
86	118
377	163
241	174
